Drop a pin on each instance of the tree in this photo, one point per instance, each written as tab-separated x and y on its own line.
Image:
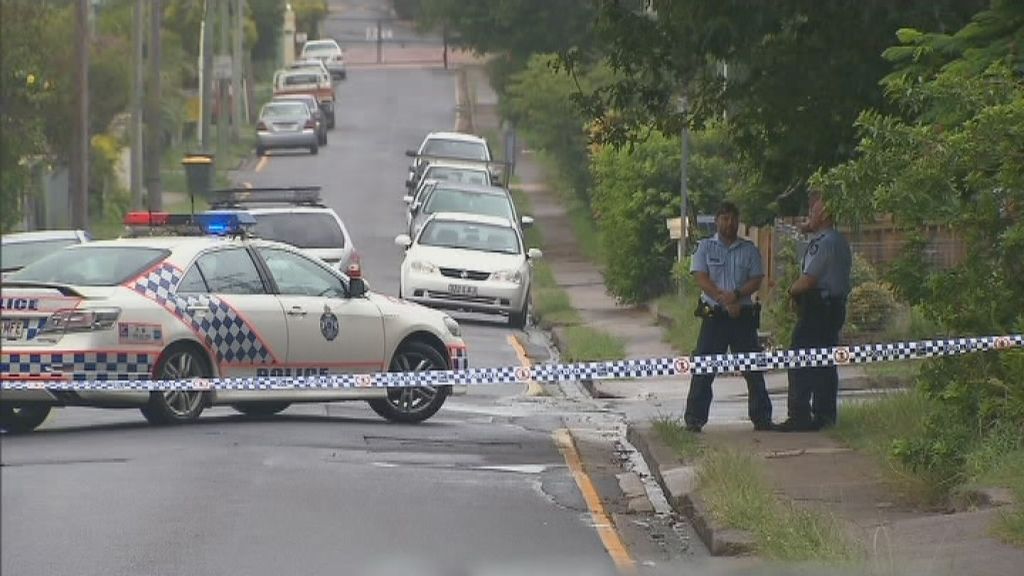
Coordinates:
790	75
514	30
27	93
951	152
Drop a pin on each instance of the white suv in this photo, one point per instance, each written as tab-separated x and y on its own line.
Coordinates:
294	216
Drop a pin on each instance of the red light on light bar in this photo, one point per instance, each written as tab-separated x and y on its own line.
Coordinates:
146	218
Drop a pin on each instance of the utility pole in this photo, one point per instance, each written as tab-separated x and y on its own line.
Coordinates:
154	132
207	78
380	44
138	89
78	180
223	110
236	74
683	184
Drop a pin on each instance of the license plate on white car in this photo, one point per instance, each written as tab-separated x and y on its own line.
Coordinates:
461	290
13	330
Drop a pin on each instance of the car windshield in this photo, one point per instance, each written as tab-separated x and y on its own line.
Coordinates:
470	236
301	229
320	49
451	200
17	254
91	265
464	175
455	149
301	79
284	110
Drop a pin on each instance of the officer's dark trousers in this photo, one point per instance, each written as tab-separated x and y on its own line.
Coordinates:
813	391
717	335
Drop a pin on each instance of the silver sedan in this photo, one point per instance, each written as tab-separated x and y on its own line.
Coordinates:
286	124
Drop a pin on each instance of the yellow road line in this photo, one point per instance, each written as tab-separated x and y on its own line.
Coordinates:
262	163
602	521
532	387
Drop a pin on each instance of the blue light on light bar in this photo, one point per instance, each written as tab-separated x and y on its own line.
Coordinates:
221	222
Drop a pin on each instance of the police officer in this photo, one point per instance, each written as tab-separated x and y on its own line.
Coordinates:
728	270
820	297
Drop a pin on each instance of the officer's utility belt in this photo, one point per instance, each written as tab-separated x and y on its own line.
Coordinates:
705	310
821	299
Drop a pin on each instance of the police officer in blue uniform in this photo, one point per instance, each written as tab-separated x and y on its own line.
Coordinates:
728	270
820	296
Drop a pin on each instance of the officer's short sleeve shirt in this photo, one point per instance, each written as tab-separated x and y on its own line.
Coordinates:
729	267
829	260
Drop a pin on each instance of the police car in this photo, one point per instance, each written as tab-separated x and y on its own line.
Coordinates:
203	306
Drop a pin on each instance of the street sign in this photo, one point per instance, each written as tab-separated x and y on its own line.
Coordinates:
222	67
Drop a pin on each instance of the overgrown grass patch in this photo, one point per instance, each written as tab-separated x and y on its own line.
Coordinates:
581	218
738	496
551	307
684	329
1006	469
586	344
674	434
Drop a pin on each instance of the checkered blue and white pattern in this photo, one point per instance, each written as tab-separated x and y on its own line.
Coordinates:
612	370
218	324
78	366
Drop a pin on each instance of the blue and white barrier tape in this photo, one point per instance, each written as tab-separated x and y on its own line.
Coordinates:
557	372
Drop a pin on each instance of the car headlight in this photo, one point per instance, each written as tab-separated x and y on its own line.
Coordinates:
513	276
80	320
452	326
422	266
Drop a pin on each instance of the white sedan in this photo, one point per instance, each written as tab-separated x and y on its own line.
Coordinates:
469	262
184	307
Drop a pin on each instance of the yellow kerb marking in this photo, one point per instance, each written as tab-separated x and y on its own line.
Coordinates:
247	184
532	387
602	521
262	163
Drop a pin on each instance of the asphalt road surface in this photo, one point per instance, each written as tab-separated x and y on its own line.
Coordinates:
482	488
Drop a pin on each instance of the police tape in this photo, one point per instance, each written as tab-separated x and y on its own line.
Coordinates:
558	372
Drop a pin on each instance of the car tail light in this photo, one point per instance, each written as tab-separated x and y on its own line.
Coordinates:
261	126
338	57
355	270
310	124
80	320
146	218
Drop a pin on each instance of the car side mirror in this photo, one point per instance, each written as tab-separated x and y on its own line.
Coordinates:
407	199
527	221
534	254
411	153
357	288
403	240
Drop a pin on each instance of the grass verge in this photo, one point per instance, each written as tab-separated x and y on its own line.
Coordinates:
734	488
738	496
586	344
684	329
674	434
1008	471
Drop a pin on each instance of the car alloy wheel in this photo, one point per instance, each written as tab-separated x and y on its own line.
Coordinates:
176	406
413	403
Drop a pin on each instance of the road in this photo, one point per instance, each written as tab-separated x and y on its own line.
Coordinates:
482	488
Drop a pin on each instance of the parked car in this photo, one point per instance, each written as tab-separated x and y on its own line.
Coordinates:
452	170
442	196
469	262
448	146
329	52
190	307
310	101
286	125
296	216
308	81
21	248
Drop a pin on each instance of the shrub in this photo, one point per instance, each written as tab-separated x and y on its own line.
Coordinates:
870	307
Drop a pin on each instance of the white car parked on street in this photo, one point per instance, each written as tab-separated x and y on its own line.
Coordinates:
185	307
469	262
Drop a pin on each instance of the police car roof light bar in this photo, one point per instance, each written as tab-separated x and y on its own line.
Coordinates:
224	222
287	195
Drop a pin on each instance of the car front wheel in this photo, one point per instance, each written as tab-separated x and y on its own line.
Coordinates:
19	419
177	406
413	403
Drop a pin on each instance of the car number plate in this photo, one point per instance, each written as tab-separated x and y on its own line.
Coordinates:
13	329
461	290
